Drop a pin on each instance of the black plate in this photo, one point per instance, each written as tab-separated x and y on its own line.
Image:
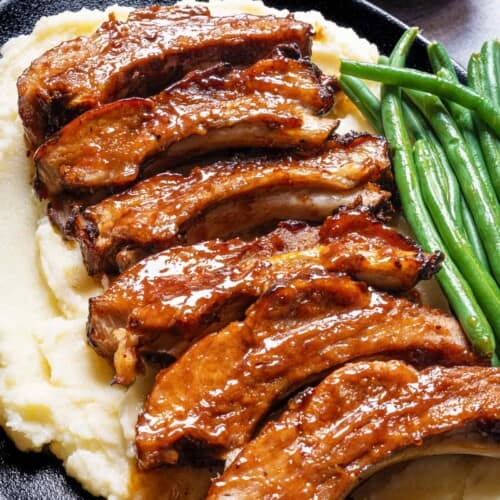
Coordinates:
40	476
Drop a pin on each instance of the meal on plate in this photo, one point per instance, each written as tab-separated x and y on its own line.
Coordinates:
246	256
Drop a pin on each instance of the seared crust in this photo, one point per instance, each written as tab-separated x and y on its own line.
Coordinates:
154	47
274	103
162	211
185	292
358	418
291	335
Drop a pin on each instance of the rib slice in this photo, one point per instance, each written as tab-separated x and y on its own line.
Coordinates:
359	419
157	213
186	292
246	215
273	103
154	47
292	334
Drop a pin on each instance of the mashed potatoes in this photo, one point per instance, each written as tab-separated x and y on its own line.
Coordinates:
54	390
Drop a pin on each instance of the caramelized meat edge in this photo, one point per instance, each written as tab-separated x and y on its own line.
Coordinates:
160	212
153	48
292	334
273	103
357	418
185	292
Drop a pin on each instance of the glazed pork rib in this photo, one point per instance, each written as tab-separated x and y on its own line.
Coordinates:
359	419
274	103
153	48
159	212
292	334
247	215
180	294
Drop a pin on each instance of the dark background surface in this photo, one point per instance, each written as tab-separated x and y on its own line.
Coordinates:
461	24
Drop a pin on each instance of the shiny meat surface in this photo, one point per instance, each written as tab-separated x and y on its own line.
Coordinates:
273	103
185	292
157	213
358	417
156	46
244	214
292	334
184	279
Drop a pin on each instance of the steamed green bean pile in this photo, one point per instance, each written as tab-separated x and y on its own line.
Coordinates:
445	144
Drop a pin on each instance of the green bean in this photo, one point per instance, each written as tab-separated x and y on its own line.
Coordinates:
420	130
479	196
419	80
439	58
453	283
458	209
465	121
482	284
401	49
496	59
454	202
364	100
472	234
489	143
490	82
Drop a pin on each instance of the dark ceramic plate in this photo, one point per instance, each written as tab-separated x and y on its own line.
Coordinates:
40	476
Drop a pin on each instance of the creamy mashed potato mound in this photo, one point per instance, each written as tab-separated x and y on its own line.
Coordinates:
54	390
